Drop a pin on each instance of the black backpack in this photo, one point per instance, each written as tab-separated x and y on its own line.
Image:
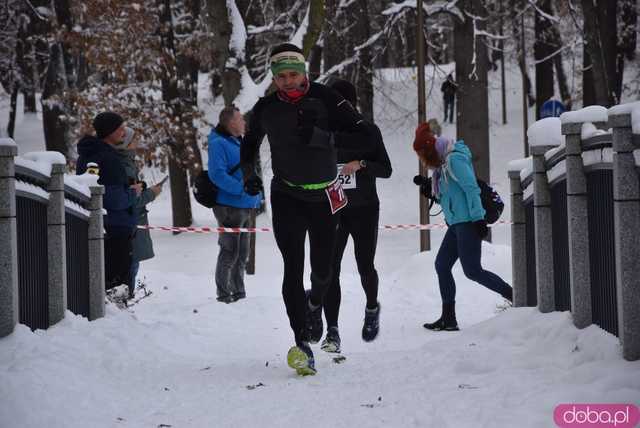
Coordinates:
205	191
491	202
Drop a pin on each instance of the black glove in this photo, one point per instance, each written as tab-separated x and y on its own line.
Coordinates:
425	185
253	185
306	122
481	228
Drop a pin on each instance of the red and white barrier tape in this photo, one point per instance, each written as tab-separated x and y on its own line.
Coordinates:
268	229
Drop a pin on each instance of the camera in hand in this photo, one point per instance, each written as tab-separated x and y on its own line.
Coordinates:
425	185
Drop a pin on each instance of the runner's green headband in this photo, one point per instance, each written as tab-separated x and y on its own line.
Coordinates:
288	61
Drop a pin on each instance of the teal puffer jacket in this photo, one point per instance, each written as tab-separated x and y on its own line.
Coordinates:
459	193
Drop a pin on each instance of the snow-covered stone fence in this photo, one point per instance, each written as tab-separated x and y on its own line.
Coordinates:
52	256
575	208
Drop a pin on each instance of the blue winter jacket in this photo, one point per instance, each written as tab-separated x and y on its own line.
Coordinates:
459	193
119	199
224	154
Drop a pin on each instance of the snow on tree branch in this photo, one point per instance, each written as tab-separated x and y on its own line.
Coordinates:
542	13
238	40
302	30
429	9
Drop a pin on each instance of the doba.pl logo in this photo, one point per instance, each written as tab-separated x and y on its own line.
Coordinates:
596	415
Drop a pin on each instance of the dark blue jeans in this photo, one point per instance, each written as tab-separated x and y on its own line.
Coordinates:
462	242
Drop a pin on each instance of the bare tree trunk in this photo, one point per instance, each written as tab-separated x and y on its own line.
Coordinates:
331	52
628	39
601	44
588	88
11	127
56	82
310	40
542	48
55	130
180	200
472	121
364	82
561	76
503	87
219	24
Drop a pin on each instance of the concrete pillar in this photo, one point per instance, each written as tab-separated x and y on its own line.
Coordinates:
56	245
9	239
545	283
578	223
96	255
626	208
518	242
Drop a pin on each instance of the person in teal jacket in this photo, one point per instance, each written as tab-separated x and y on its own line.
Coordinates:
233	205
456	188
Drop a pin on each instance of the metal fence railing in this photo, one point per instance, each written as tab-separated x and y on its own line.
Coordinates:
602	249
51	232
77	239
589	200
31	221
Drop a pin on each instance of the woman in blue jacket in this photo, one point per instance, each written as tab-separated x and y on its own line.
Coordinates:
456	188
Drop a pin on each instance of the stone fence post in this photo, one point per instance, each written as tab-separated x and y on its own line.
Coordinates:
9	239
56	245
518	242
578	224
626	208
545	283
96	254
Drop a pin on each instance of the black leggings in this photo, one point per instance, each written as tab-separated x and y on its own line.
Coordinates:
292	219
362	224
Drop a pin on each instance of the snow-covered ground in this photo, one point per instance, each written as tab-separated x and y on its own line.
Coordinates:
179	358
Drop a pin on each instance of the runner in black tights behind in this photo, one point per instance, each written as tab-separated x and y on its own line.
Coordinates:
360	220
304	122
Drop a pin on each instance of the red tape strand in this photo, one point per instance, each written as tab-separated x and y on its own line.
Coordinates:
268	229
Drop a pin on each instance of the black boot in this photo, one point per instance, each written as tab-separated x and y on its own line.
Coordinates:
447	321
508	295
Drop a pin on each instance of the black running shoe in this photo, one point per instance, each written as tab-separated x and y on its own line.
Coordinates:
313	320
371	324
331	342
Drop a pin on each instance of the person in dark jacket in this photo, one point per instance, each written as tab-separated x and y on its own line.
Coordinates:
119	197
142	245
304	121
456	188
233	205
359	170
448	89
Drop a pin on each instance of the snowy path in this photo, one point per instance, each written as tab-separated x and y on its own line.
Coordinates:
180	358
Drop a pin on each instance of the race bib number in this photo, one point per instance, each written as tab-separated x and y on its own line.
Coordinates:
336	196
347	181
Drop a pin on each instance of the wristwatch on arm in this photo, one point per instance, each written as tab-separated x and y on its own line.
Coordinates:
363	163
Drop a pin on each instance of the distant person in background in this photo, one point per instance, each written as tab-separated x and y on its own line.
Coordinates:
119	198
448	89
435	127
359	219
142	246
233	205
456	188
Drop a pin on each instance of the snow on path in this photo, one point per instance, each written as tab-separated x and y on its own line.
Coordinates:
180	358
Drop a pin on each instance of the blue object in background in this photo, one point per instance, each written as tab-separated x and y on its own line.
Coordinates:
551	108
